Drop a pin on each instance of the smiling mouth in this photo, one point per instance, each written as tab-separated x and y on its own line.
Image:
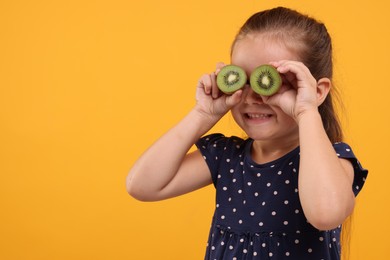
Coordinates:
257	116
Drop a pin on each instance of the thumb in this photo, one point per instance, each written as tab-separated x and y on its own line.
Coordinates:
234	99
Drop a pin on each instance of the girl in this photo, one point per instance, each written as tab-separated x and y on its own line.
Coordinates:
283	192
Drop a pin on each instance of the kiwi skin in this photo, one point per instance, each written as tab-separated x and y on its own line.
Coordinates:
231	78
265	80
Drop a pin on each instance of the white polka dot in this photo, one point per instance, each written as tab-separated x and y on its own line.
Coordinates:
234	210
286	202
234	180
240	221
310	250
249	183
285	223
252	213
242	240
240	191
256	194
296	211
222	243
287	253
270	254
287	181
275	193
223	217
296	241
273	213
245	251
255	253
261	224
279	172
258	174
231	247
227	160
219	176
268	184
321	238
263	203
224	188
264	245
231	170
213	248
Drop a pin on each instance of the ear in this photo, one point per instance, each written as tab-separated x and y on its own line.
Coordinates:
323	88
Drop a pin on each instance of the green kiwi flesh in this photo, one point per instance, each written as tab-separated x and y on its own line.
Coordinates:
231	78
265	80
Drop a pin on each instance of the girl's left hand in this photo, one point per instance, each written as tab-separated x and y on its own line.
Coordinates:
298	92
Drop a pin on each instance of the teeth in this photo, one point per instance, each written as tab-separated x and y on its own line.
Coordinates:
258	115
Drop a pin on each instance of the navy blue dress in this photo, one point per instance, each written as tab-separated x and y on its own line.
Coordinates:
258	214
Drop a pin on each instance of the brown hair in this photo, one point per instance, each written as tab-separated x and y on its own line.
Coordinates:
313	43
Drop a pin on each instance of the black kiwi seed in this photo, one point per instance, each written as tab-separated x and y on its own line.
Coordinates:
265	80
231	78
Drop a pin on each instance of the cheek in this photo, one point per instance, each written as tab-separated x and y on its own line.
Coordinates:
237	116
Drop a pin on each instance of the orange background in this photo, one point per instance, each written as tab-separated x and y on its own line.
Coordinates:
87	86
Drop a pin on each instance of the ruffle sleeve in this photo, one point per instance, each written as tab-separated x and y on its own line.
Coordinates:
344	151
212	147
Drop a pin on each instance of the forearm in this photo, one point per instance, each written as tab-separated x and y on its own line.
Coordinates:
159	164
324	183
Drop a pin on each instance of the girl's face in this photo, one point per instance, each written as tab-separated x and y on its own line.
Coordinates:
261	121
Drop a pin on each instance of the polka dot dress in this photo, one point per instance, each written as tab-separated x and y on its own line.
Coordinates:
258	214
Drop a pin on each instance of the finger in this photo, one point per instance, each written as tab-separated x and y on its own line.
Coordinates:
295	67
205	83
214	86
218	67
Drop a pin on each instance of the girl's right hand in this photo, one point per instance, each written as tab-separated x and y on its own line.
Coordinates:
210	100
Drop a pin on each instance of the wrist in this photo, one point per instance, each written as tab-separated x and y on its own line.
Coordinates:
311	115
204	117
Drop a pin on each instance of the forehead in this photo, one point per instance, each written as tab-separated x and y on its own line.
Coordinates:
257	49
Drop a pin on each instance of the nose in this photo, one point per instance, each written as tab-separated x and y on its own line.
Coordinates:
250	97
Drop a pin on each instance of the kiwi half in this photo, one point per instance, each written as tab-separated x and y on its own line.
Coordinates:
231	78
265	80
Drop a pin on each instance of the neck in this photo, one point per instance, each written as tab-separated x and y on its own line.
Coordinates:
267	151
